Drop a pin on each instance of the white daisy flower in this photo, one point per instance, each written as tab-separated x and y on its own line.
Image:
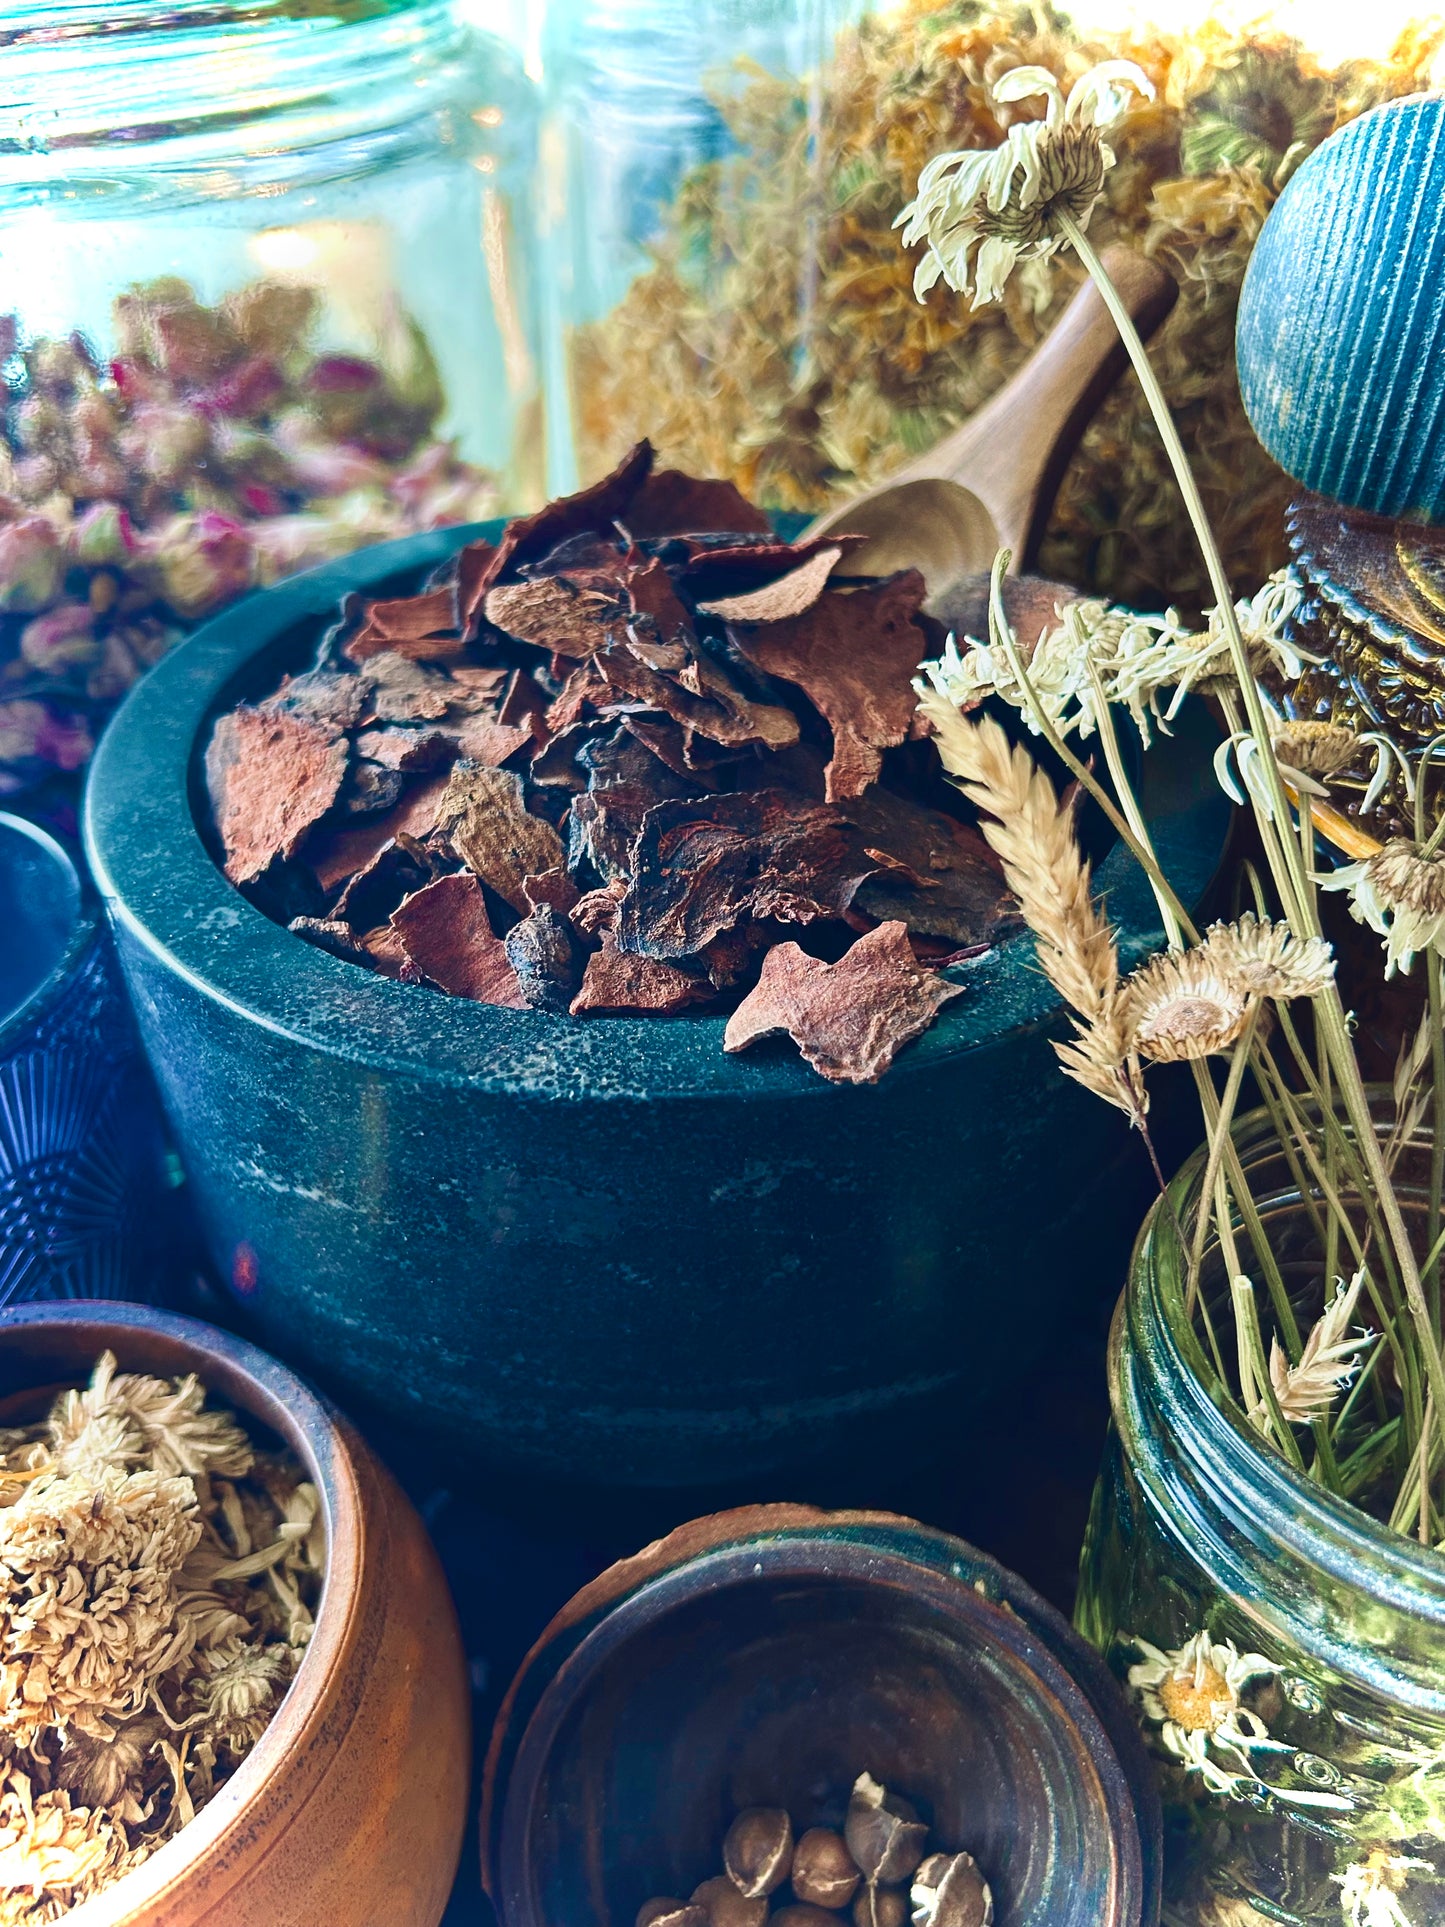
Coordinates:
982	211
1400	893
1370	1888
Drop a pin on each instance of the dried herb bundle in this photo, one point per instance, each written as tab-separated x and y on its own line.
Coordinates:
218	449
157	1582
610	766
776	339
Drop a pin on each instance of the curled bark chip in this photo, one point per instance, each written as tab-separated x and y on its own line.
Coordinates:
788	595
855	658
596	508
445	931
671	503
849	1019
700	867
271	776
484	813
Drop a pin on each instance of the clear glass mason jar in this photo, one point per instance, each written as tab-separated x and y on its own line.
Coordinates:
1305	1782
267	293
722	178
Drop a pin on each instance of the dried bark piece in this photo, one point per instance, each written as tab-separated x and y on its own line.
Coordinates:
548	957
402	691
716	709
554	887
595	911
559	613
701	867
485	815
370	790
406	749
473	690
387	954
480	740
531	537
476	570
616	981
327	933
849	1019
321	696
337	855
447	934
789	595
656	603
714	569
399	867
671	503
272	775
423	627
602	827
854	655
942	879
525	704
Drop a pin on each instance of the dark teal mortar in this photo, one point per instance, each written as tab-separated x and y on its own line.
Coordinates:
599	1249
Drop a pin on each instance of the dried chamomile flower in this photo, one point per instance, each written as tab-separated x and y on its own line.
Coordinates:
1370	1888
1400	893
981	212
1183	1005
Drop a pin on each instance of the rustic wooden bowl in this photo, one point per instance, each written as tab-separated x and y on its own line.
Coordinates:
765	1657
350	1809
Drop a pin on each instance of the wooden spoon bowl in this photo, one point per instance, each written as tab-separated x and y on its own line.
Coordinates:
349	1810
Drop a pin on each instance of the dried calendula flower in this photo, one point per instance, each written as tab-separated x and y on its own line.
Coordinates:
884	1834
758	1850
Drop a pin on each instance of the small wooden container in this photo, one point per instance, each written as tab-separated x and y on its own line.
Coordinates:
765	1657
349	1810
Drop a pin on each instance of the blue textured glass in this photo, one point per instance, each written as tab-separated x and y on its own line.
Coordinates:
1341	336
84	1211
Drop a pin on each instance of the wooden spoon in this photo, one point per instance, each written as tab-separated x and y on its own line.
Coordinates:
991	483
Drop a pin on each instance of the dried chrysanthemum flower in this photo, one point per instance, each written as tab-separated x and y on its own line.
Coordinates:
88	1597
235	1689
982	211
52	1853
1400	893
124	1418
109	1773
1267	959
1183	1005
1329	1360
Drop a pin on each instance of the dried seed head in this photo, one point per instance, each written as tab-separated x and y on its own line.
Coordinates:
880	1907
1183	1005
1316	749
726	1907
666	1912
884	1833
824	1872
949	1891
758	1851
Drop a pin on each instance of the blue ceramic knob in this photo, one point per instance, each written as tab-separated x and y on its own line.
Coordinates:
1341	332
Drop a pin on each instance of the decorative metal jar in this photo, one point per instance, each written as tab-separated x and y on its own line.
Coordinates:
266	294
1285	1651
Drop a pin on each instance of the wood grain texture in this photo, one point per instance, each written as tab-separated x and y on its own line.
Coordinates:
349	1811
991	483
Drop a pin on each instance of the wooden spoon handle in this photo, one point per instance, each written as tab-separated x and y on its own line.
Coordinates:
1013	452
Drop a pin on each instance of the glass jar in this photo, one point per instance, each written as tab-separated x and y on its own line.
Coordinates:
722	182
1301	1737
267	293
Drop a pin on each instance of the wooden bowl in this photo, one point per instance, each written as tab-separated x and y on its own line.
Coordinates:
349	1810
764	1658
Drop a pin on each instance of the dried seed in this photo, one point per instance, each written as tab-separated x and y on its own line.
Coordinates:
949	1891
824	1872
883	1832
758	1850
